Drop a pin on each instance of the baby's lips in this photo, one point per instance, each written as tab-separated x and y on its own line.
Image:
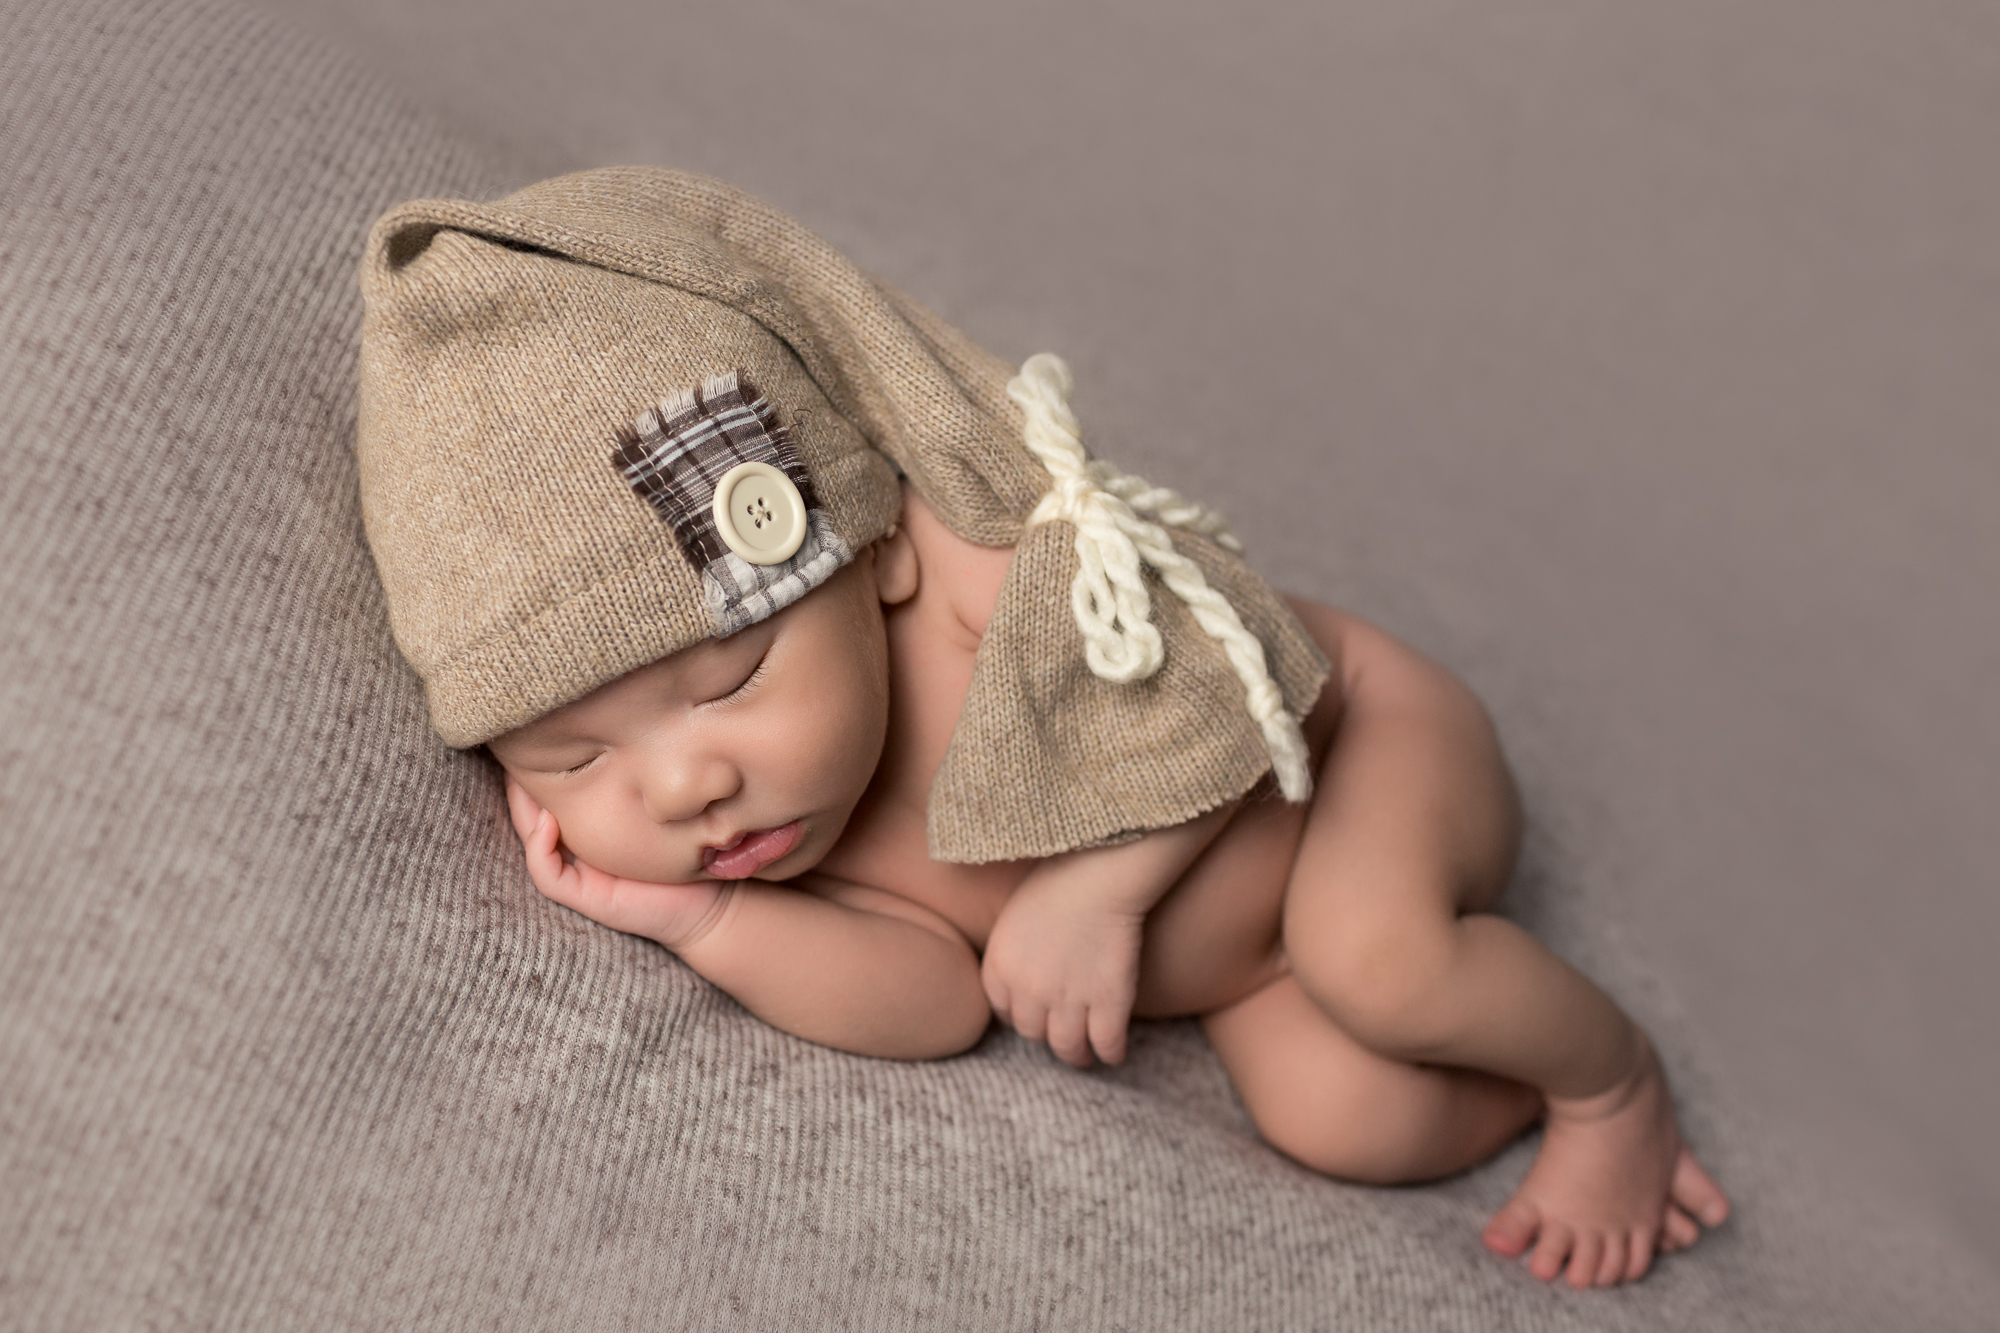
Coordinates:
752	850
710	853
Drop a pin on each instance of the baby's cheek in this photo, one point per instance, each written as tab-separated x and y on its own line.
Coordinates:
581	834
846	746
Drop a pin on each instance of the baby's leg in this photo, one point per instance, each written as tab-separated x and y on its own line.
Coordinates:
1410	839
1323	1098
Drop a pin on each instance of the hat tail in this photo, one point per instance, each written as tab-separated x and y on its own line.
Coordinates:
1108	597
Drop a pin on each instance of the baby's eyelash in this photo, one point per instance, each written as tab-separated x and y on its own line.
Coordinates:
578	768
748	681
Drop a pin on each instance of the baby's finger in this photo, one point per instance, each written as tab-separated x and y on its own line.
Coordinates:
997	995
522	809
545	863
1107	1032
1031	1020
1069	1037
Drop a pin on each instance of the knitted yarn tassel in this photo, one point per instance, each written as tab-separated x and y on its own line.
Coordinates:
1109	598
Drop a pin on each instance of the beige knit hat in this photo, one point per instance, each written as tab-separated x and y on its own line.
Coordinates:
622	411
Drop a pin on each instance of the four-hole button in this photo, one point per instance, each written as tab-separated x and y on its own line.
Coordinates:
759	513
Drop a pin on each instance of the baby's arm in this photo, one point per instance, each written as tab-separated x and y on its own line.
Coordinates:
844	965
836	963
1062	963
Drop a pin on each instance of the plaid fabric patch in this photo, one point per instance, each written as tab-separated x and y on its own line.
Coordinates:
673	455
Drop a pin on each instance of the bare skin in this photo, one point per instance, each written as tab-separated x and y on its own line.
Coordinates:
1379	1021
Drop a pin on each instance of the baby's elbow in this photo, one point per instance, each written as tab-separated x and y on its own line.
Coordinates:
936	1022
957	1013
953	1026
974	1016
938	1032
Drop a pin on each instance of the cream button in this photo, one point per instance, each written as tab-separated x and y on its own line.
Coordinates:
759	513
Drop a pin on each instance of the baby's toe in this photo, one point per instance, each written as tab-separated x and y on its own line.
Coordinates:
1552	1250
1598	1259
1584	1259
1512	1229
1611	1264
1639	1253
1696	1192
1680	1231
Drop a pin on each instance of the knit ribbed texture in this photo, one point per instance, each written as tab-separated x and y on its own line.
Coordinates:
522	571
286	1039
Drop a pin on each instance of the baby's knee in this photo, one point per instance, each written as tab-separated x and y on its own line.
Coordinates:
1381	979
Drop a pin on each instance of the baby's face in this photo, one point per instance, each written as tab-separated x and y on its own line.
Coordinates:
736	758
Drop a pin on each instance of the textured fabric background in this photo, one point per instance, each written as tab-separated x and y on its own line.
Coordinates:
1680	449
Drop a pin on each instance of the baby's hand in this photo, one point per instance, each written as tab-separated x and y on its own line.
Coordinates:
1063	968
675	915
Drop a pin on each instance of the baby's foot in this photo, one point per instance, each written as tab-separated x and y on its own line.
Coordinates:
1613	1182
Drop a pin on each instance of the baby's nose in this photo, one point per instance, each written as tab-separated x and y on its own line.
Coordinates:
678	787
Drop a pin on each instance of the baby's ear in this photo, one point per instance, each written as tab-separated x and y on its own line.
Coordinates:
895	566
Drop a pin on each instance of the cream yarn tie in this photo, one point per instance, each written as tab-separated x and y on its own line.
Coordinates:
1109	598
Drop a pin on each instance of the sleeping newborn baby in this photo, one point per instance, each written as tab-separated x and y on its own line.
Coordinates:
815	648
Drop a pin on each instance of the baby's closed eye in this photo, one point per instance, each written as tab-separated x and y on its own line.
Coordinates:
747	684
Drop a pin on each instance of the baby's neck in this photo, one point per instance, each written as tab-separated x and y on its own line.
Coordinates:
930	668
933	639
